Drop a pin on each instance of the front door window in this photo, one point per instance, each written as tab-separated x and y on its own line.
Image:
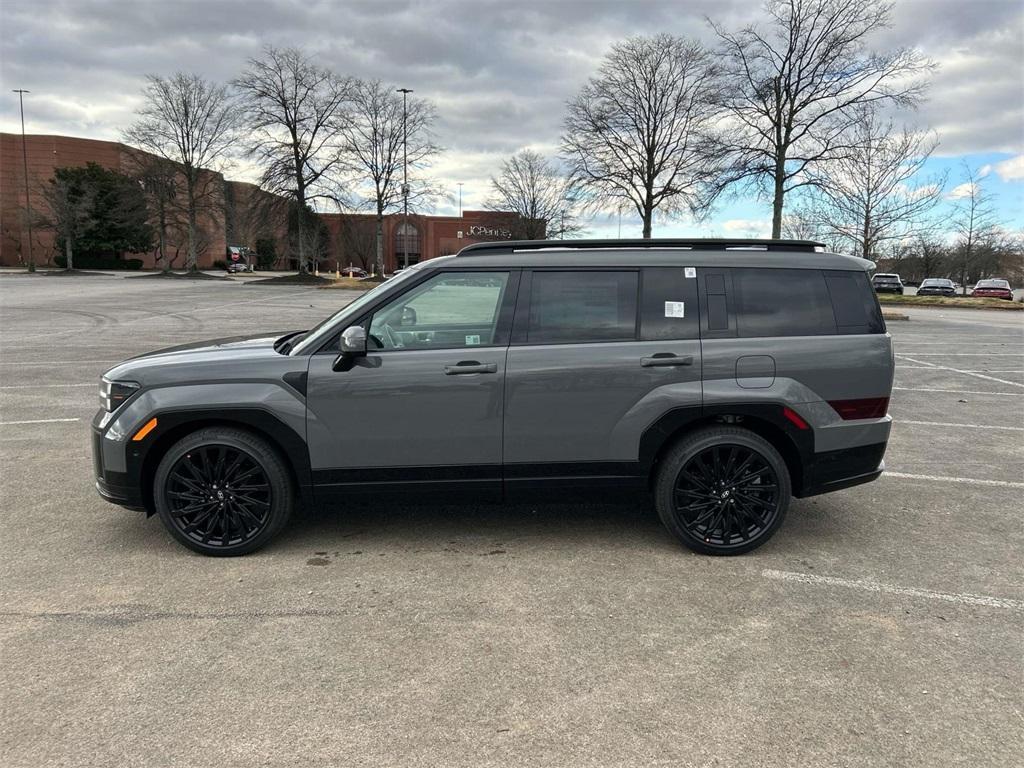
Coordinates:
450	310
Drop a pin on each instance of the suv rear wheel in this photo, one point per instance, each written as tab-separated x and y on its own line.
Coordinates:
722	490
222	491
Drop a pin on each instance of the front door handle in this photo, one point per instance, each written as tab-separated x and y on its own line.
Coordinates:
662	359
470	366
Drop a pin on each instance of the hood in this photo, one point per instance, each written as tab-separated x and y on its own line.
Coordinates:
205	359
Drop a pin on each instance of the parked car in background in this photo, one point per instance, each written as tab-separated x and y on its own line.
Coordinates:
886	282
995	288
936	286
353	271
684	371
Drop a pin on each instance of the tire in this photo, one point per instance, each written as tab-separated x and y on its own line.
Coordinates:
197	473
722	518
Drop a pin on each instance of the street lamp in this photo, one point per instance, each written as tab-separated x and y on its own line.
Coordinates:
405	176
24	159
460	199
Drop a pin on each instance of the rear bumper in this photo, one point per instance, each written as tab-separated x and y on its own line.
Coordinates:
836	470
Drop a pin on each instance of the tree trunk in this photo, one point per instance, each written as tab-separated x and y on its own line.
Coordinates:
380	241
778	198
648	216
68	253
866	250
193	257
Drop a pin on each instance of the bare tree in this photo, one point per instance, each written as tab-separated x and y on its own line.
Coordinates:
191	122
975	223
68	204
296	112
160	180
544	200
374	151
789	89
358	235
873	194
640	130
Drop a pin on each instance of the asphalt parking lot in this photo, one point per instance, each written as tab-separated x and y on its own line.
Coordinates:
883	625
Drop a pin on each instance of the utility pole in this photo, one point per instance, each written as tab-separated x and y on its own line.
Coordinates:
24	159
460	199
405	176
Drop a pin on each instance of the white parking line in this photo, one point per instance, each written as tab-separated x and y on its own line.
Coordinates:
893	589
34	421
948	424
966	373
48	386
945	479
959	391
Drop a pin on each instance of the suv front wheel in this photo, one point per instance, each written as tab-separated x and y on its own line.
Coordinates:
722	490
222	491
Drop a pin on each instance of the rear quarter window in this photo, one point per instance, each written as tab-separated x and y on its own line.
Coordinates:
782	302
854	304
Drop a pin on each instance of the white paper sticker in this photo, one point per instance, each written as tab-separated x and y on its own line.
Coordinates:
472	340
689	271
675	309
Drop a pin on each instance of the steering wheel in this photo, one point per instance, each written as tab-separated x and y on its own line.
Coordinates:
392	337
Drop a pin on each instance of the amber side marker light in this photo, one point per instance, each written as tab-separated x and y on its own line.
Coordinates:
141	434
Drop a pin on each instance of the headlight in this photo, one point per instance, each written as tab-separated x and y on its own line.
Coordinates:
113	393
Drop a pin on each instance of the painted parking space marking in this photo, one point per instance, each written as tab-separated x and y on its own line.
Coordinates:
960	370
959	391
34	421
949	424
893	589
950	479
48	386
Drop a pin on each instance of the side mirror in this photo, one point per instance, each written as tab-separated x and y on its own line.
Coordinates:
353	345
408	316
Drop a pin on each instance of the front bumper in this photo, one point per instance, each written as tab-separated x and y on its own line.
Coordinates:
113	486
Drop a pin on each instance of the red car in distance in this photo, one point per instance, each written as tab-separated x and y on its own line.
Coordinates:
993	289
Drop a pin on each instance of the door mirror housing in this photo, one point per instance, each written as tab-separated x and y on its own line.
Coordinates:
353	345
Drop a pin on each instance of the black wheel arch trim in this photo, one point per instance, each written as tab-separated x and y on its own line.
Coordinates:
174	423
764	418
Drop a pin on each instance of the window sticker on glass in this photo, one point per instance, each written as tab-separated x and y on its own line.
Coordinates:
675	309
473	340
689	272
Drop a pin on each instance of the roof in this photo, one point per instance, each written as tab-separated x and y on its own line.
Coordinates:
798	254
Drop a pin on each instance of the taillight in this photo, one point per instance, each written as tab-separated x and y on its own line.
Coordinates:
867	408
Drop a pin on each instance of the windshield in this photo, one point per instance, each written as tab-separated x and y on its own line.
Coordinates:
935	282
993	284
320	331
886	277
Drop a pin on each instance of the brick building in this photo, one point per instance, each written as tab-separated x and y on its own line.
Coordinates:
238	216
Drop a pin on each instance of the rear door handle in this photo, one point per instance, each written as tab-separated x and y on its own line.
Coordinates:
663	359
470	366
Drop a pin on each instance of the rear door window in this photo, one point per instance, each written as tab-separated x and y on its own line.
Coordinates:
582	306
668	304
853	303
782	302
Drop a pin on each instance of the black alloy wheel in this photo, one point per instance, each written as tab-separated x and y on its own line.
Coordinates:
723	491
222	491
218	495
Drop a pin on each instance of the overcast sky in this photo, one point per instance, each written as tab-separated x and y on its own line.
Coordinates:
499	72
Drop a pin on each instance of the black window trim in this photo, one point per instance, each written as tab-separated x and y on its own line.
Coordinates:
521	323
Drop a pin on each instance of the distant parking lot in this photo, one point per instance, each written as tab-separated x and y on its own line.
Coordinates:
883	625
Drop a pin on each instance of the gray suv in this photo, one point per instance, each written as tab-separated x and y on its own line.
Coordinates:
719	377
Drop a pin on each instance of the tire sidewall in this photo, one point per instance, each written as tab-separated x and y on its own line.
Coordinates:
281	495
685	450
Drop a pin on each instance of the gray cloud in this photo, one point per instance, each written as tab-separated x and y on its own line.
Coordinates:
499	72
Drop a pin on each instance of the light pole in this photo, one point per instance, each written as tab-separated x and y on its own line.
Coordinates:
405	177
24	159
460	199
